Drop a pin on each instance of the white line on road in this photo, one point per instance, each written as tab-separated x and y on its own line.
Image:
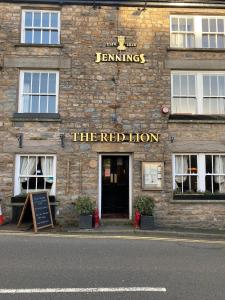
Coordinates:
83	290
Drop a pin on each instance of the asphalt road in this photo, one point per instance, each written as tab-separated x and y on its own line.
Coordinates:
193	270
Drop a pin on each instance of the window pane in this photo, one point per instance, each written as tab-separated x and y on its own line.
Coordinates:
220	41
191	84
193	164
190	41
205	41
45	37
35	83
212	23
26	103
221	106
52	104
208	160
182	24
44	83
28	36
52	83
205	27
184	85
210	106
37	19
27	83
45	19
221	85
35	104
28	19
54	19
43	104
220	24
190	25
176	85
206	86
37	36
212	41
214	91
184	105
54	37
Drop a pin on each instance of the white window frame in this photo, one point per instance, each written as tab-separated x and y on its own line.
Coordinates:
201	167
198	85
17	187
40	28
198	33
21	88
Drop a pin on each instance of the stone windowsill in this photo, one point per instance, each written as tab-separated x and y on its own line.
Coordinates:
188	118
40	45
195	49
35	117
198	198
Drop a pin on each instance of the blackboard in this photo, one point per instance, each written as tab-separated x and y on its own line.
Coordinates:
41	211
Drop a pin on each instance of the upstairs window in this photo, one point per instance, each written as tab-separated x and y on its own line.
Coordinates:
182	32
198	93
197	32
38	92
40	27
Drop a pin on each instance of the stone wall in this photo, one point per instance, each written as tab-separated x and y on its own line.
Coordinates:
89	94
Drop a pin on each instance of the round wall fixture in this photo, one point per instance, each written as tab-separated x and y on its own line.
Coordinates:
164	109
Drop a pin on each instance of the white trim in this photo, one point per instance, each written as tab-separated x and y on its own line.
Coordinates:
21	87
201	167
17	171
100	180
198	88
41	27
198	33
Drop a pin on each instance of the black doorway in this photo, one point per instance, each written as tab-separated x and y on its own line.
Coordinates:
115	186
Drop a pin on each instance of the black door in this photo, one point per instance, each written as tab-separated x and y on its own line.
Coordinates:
115	186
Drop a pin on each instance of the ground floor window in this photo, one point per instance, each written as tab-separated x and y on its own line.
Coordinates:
200	172
35	173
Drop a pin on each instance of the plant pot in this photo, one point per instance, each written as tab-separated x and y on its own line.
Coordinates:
147	223
85	221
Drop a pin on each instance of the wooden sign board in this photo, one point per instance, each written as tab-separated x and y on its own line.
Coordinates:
41	211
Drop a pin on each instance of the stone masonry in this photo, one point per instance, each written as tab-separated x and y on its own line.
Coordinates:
89	94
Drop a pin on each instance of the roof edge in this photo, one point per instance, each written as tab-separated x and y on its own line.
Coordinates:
127	3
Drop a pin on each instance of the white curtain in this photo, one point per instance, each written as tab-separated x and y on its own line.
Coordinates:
27	167
219	168
47	168
181	167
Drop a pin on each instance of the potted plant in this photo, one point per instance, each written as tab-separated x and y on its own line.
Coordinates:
84	207
145	206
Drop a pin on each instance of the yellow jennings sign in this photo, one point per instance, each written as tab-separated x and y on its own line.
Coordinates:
120	57
116	137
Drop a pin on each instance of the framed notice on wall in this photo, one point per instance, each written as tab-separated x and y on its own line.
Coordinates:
152	175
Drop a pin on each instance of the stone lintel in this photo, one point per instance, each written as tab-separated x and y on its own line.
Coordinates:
55	62
195	64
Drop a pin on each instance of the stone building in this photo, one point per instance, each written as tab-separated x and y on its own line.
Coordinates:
114	99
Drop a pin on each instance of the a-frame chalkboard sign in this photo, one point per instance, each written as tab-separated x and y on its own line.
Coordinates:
41	211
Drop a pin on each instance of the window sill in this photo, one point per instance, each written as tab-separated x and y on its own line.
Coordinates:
36	117
198	198
40	45
188	118
196	49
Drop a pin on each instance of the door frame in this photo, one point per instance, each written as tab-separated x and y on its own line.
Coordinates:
100	180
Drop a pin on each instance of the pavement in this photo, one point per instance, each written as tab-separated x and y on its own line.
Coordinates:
120	230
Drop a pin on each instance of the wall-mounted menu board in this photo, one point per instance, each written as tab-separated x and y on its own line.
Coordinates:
152	175
41	211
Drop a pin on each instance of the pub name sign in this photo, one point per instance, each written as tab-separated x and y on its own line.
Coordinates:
121	46
116	137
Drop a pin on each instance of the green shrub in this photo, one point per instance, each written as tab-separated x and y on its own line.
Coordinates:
84	205
145	205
